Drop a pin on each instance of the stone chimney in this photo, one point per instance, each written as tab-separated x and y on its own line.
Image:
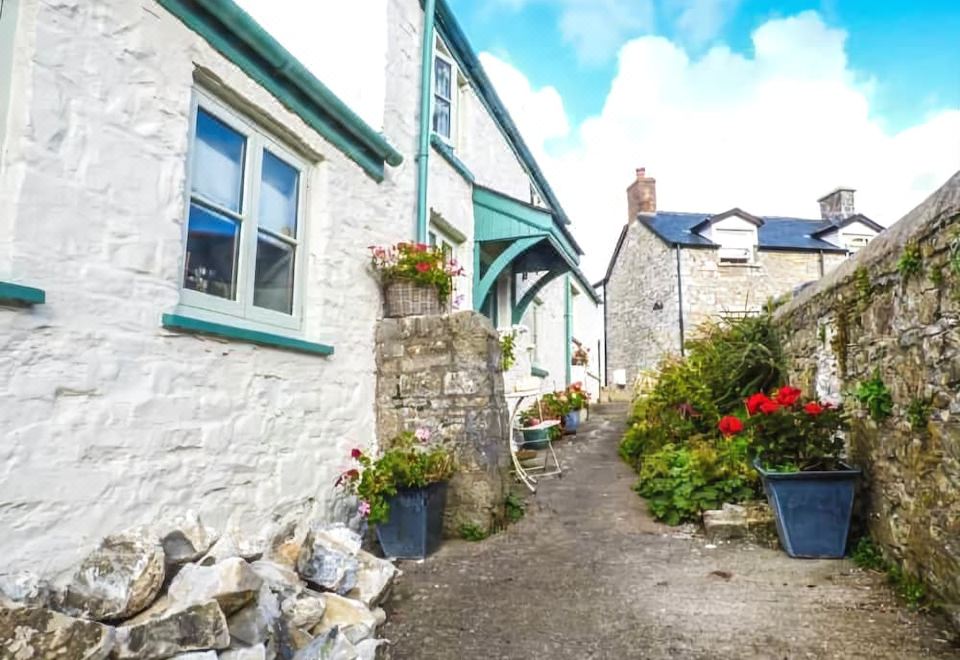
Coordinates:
837	205
641	195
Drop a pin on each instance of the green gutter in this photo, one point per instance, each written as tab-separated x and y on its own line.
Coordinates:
426	98
242	40
568	325
21	296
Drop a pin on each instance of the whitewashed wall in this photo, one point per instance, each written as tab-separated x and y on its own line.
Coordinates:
108	420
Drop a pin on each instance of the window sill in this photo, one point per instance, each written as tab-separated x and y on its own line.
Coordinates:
21	296
538	372
179	323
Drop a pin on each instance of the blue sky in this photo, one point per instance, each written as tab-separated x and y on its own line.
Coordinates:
909	48
752	103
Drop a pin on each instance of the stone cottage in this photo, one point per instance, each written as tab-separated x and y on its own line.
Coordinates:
671	271
187	318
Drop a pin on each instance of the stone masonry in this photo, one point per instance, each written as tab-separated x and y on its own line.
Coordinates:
866	318
442	373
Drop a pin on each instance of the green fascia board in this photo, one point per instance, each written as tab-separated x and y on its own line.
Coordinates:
538	372
456	39
446	151
20	295
240	39
187	324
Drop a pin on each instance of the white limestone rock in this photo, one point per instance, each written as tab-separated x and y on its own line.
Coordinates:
304	612
118	579
185	538
196	628
369	649
332	645
255	623
232	544
352	617
328	559
196	655
373	579
36	633
231	582
256	652
281	578
25	588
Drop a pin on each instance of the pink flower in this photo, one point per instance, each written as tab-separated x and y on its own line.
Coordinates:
421	434
364	508
355	453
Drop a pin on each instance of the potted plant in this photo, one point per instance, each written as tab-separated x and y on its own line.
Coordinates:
797	447
403	492
536	433
577	399
417	279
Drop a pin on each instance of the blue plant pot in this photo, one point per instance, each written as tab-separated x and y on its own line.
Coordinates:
812	510
536	438
415	526
571	422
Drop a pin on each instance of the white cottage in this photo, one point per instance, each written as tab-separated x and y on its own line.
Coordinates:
186	312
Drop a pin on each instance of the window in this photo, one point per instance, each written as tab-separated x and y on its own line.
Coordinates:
736	245
245	221
450	248
443	97
854	243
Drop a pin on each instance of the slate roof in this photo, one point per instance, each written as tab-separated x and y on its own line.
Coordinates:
776	232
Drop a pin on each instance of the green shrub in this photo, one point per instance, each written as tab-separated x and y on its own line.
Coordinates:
685	465
472	532
514	508
910	262
874	395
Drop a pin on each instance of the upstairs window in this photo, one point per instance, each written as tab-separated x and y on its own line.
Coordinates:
443	97
736	245
245	221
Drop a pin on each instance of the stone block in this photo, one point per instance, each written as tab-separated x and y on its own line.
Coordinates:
28	633
196	628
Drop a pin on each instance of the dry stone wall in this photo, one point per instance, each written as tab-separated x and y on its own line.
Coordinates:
443	373
869	317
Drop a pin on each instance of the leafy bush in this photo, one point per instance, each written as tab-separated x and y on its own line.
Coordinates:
514	507
685	464
472	532
874	395
680	483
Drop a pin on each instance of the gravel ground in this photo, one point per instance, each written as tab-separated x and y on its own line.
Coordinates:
588	573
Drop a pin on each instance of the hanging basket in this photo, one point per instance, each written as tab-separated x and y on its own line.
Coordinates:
406	298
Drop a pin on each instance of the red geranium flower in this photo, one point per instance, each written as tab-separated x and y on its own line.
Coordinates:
730	425
755	401
422	247
787	396
813	408
355	453
769	407
423	267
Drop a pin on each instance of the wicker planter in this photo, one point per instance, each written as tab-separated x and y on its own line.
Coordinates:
406	298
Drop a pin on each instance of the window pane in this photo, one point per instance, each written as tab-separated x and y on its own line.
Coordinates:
211	263
441	117
443	75
279	191
273	288
218	162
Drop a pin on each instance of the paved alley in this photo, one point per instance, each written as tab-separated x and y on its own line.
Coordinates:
588	574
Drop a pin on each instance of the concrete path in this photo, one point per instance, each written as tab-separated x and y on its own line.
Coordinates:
588	574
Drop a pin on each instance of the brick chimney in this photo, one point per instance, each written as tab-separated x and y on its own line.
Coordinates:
837	205
641	195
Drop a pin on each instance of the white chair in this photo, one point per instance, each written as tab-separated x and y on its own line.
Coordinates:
526	472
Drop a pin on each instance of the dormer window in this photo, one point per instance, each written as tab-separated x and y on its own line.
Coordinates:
736	245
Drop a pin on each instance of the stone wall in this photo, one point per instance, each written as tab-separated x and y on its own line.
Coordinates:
865	318
442	373
642	309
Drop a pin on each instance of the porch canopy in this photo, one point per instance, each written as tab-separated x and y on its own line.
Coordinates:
520	239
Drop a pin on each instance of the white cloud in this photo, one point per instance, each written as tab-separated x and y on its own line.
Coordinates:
700	21
769	133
